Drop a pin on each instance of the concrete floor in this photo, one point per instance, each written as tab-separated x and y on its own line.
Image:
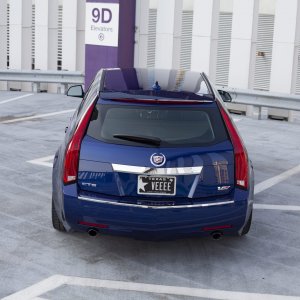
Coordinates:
266	261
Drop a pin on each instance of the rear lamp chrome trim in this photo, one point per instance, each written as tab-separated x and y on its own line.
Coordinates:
89	199
157	171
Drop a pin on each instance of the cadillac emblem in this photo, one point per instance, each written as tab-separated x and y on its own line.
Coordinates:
157	159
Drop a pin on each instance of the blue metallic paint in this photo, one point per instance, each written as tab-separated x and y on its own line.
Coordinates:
139	222
149	223
96	174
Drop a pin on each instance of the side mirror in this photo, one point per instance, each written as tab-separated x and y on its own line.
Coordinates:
75	91
226	97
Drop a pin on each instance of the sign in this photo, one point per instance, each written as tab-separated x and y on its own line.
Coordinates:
102	24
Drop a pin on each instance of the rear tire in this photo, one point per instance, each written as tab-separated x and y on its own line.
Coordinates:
57	224
246	229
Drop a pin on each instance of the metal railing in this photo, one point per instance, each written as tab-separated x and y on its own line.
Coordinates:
63	78
257	104
261	104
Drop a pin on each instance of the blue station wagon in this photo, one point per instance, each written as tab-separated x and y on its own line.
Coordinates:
152	154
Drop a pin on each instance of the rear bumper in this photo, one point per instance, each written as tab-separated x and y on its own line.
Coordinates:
154	222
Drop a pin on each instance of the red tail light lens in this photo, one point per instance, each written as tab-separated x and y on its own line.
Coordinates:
73	150
93	224
240	152
213	228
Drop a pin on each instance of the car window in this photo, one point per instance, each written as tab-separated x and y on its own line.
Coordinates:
154	83
173	127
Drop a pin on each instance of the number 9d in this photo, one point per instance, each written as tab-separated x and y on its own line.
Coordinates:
103	15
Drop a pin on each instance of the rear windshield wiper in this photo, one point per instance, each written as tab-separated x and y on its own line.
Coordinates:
139	139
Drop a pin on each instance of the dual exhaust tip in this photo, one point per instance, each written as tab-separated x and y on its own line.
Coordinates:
216	235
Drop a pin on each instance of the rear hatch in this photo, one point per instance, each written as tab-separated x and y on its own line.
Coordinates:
163	154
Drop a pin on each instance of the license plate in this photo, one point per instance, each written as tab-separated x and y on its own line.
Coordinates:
156	185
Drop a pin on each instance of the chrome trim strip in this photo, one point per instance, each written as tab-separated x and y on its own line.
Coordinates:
157	171
154	207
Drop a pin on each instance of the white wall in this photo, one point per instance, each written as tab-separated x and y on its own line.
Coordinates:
141	34
284	46
168	32
3	48
267	7
168	36
205	35
242	56
188	4
20	37
226	5
46	36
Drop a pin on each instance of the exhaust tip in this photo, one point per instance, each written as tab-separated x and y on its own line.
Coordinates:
217	235
92	232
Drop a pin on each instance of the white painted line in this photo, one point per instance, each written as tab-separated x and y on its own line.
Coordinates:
15	98
38	116
39	288
56	281
22	220
173	290
43	161
260	187
277	207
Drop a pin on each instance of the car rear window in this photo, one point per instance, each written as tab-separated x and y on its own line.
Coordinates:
171	126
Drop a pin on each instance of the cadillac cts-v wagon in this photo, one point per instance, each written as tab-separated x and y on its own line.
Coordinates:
152	154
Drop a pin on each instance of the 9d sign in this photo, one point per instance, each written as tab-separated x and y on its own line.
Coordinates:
102	24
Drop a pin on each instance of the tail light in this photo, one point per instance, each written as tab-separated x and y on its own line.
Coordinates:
213	228
73	150
97	225
240	152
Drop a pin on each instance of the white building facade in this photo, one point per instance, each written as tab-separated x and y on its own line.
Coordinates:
246	44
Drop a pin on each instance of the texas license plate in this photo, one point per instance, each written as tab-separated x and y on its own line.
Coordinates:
156	185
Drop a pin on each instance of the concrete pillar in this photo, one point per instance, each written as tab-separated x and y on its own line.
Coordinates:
205	35
141	34
243	43
69	41
20	38
168	34
41	34
46	18
3	45
284	58
52	34
52	40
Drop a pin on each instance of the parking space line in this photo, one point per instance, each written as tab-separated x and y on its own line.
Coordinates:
38	289
260	187
56	281
46	161
277	207
15	98
22	220
38	116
